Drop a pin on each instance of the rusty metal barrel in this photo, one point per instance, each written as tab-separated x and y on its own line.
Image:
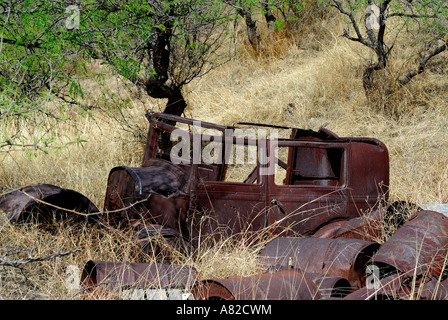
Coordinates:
420	245
403	287
281	285
114	276
367	227
331	287
388	288
339	257
372	226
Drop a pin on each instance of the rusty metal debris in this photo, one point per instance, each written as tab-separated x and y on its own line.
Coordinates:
421	245
45	203
367	227
405	286
339	257
371	226
112	277
282	285
321	198
324	178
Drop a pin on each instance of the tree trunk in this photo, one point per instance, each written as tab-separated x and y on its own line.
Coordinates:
378	86
176	103
252	31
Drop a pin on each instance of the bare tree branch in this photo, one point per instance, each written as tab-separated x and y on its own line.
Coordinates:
422	65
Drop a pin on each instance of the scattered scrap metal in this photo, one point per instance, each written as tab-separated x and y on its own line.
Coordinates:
321	198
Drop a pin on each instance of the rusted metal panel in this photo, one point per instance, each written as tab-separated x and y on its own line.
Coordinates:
367	227
340	257
421	244
322	183
45	203
223	210
282	285
369	175
111	276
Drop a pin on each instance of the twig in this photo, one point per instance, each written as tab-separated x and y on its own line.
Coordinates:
20	262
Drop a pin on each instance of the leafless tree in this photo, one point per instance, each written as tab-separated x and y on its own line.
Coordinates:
368	23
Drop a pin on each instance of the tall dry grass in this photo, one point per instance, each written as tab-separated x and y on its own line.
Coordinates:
310	81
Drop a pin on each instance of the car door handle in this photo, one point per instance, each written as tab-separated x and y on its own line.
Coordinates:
275	202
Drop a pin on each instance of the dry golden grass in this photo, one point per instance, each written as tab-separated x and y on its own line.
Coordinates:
308	84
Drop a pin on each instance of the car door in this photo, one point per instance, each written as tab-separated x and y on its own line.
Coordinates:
312	190
232	207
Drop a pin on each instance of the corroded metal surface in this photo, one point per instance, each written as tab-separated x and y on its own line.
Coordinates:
388	288
331	287
371	226
367	227
44	203
112	276
340	257
282	285
404	286
327	178
421	244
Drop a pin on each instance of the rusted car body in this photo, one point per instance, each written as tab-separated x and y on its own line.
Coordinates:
295	186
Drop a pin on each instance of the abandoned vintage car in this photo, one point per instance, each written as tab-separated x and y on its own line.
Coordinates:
204	179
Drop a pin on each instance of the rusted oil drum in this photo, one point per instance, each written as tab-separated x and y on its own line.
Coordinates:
373	226
282	285
434	289
111	276
388	288
152	195
328	287
45	203
366	228
339	257
420	245
331	287
403	287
